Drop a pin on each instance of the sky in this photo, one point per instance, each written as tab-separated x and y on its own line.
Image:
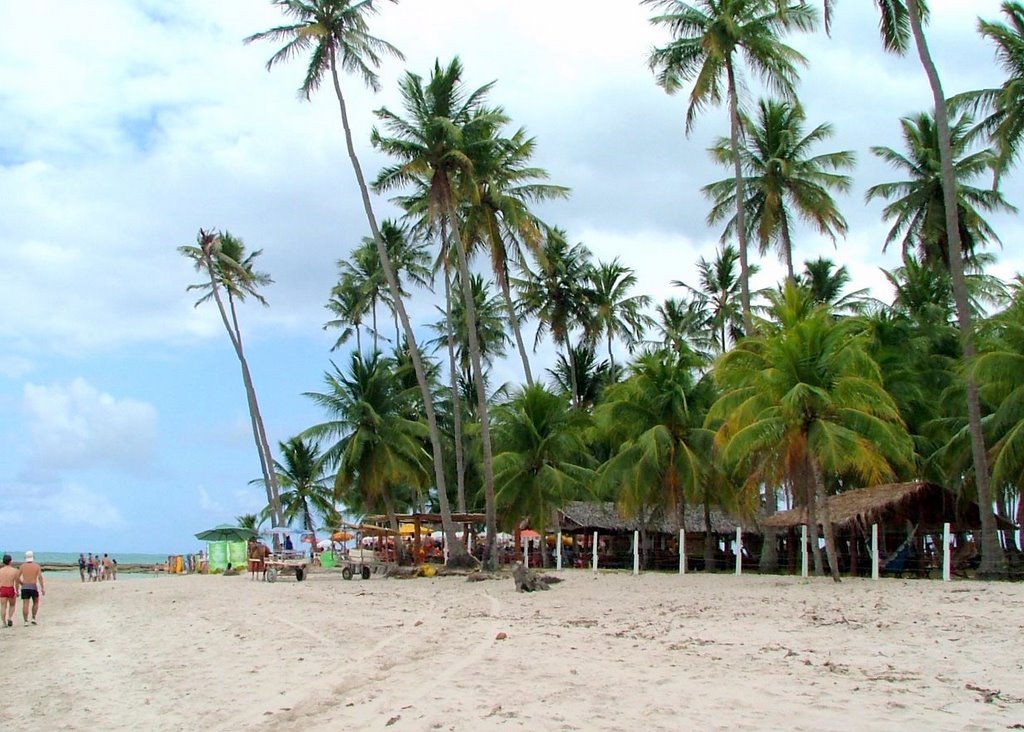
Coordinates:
129	124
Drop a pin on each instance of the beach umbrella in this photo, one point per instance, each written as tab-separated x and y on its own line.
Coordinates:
410	529
226	532
342	536
324	544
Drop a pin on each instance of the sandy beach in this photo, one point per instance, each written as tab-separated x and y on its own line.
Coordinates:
597	652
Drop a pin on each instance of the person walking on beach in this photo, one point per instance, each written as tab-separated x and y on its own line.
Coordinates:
81	566
32	585
8	591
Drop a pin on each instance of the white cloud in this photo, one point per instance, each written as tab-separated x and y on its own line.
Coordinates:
50	508
76	426
14	367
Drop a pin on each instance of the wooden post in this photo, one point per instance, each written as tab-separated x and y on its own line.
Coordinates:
874	551
595	551
803	550
636	552
946	566
739	551
558	550
682	551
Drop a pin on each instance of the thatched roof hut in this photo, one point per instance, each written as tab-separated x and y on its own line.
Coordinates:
588	516
928	505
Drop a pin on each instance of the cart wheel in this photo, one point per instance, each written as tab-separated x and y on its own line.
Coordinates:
346	573
300	574
366	573
271	575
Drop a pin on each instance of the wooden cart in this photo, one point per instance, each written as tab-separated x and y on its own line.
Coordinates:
360	562
287	562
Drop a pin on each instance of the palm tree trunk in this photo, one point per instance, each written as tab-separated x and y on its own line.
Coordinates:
709	537
787	248
359	340
460	459
993	561
259	436
376	332
806	480
769	561
516	330
611	358
741	219
490	552
826	519
401	557
457	554
573	380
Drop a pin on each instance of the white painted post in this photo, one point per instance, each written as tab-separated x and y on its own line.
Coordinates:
636	552
682	551
558	551
739	551
595	551
526	553
803	550
874	551
946	565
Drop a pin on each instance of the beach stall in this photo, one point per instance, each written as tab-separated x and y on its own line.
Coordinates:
226	544
614	532
905	521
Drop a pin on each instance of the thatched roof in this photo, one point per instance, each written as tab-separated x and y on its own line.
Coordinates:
926	504
597	516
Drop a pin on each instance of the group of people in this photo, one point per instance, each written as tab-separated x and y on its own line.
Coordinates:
95	568
26	580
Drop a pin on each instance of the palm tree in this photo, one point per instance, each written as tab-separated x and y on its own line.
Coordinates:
558	294
491	328
782	178
686	326
336	32
410	260
305	490
656	420
223	259
804	400
826	283
719	286
501	221
348	306
376	446
447	130
708	35
249	521
581	375
615	311
1004	105
542	460
917	204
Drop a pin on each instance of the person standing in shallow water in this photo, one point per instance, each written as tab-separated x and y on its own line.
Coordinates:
32	586
8	591
81	566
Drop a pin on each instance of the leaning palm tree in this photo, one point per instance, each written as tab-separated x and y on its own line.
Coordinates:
305	490
447	130
709	38
336	33
784	180
223	259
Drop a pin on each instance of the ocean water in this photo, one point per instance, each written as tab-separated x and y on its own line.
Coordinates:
71	558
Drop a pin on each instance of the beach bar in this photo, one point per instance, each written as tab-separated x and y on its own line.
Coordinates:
906	521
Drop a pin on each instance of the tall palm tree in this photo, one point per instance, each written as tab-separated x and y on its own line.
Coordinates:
783	179
447	130
581	375
917	204
803	401
501	221
348	306
375	446
616	312
542	460
410	260
304	488
223	259
336	33
491	328
709	35
558	294
686	326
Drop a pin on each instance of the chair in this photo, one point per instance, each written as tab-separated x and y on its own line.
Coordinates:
898	563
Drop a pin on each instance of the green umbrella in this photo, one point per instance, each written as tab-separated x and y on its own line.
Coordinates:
226	532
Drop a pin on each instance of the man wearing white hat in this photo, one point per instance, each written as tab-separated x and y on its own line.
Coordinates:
32	585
